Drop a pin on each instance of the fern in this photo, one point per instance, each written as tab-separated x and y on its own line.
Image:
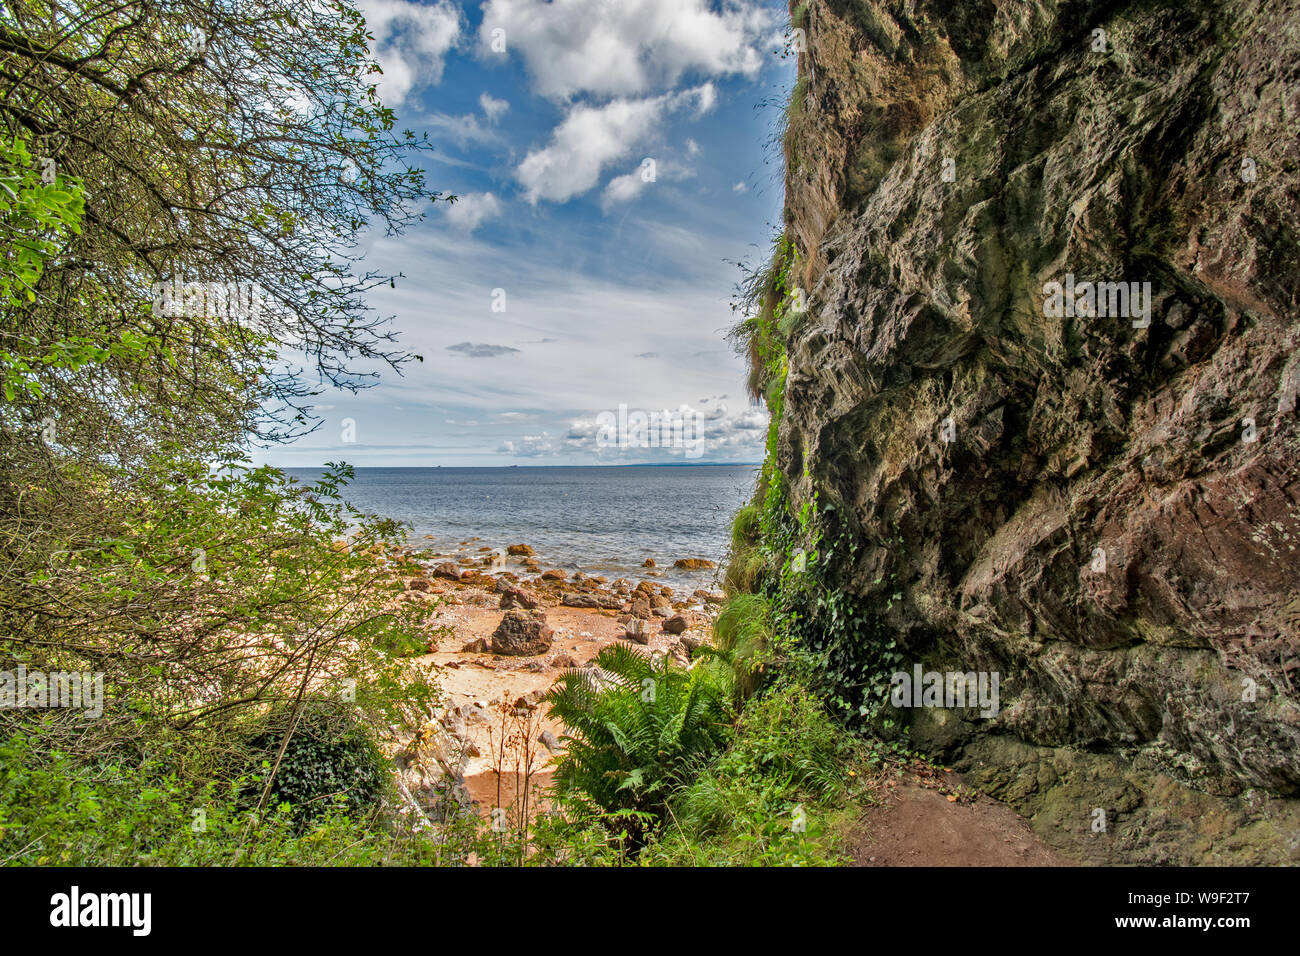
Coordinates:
636	728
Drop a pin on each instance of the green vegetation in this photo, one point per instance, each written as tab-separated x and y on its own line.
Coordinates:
635	731
250	668
254	653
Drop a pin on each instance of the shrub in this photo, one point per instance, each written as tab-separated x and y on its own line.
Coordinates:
636	728
330	762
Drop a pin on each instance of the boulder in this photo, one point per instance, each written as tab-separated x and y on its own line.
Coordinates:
512	596
637	630
639	605
447	570
479	645
522	633
591	599
693	564
677	624
520	551
648	563
555	574
418	584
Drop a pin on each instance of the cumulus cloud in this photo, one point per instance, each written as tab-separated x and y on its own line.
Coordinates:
630	185
470	211
628	47
493	108
411	43
480	350
739	188
592	137
718	434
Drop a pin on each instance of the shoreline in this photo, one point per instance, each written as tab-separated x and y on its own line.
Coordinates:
476	587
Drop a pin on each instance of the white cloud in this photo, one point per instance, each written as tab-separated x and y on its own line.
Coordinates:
692	147
411	43
493	108
592	137
462	130
739	188
630	185
470	211
624	188
627	47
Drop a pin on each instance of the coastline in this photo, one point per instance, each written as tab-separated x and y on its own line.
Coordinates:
476	587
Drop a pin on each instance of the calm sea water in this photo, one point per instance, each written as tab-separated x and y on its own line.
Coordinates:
601	520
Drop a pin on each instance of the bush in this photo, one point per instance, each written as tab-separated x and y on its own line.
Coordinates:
636	731
330	763
772	798
60	810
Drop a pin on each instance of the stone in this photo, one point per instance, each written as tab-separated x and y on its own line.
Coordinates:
522	633
648	563
447	570
677	624
591	599
418	584
693	564
520	551
480	645
554	574
690	643
518	597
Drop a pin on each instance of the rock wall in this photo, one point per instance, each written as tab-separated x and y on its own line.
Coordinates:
1103	508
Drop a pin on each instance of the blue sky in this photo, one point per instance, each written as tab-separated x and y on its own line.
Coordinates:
612	161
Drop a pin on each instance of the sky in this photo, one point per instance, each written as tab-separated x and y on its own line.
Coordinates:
613	161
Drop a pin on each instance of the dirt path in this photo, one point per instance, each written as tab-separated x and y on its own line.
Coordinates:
931	819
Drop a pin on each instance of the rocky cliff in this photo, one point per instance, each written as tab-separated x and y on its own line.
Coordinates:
1048	377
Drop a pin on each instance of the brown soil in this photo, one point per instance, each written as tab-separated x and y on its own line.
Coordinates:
931	819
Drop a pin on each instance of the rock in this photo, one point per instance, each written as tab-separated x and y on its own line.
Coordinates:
637	630
693	564
639	605
658	600
447	570
1072	501
520	551
529	700
564	660
555	574
690	643
479	645
549	741
590	599
522	633
648	563
418	584
518	597
677	624
664	612
469	577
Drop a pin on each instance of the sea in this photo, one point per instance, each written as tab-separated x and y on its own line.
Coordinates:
599	520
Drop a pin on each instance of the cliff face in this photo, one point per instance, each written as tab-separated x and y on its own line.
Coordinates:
1099	503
